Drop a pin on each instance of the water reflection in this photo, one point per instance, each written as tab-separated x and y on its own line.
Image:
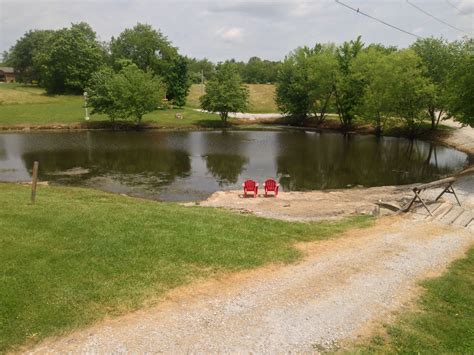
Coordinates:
192	165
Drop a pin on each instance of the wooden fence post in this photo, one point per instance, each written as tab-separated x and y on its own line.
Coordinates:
34	182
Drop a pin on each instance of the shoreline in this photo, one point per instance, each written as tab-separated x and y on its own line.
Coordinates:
454	138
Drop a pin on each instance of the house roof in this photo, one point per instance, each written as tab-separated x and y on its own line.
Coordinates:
7	69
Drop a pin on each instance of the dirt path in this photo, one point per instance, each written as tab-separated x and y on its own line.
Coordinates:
333	296
461	138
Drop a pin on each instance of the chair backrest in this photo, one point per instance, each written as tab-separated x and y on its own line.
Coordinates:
270	184
249	184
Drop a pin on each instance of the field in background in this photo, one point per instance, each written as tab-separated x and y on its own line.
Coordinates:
261	100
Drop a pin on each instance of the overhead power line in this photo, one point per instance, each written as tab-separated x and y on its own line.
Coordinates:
454	6
436	18
376	19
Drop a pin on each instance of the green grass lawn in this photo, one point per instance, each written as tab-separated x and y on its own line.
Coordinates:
444	322
29	105
78	255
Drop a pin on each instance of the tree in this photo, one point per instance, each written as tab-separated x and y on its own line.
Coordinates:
306	82
438	58
177	81
461	84
129	94
225	92
375	69
25	53
144	46
348	88
73	55
292	86
410	90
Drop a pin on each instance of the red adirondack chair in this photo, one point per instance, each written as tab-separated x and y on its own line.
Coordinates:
271	185
250	186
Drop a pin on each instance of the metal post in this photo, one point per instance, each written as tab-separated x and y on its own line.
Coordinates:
34	182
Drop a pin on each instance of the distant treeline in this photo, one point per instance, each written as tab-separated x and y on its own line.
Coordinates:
254	71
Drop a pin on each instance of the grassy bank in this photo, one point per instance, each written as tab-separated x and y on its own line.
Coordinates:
79	255
444	322
29	105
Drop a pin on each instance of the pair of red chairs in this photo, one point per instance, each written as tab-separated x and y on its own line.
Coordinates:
251	186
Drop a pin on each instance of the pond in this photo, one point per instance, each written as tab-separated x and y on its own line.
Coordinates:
188	166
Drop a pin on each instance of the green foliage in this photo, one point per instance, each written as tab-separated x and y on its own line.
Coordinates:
306	82
200	69
73	55
348	88
438	58
144	46
24	55
129	94
177	81
225	92
461	84
258	71
374	68
79	255
410	90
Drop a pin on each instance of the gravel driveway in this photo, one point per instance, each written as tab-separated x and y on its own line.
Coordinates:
342	289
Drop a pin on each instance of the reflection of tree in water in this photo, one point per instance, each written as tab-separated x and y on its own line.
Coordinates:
224	157
3	150
130	166
335	161
226	168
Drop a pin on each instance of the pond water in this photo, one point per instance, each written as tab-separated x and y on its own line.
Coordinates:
187	166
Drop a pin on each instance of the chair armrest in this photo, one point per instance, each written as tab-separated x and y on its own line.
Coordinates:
256	184
243	185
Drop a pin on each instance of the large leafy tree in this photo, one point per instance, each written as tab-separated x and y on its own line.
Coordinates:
410	90
293	86
461	84
128	94
348	88
375	69
177	81
438	58
25	54
306	82
225	92
144	46
73	55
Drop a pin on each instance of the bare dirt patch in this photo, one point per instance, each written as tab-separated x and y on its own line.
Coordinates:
313	205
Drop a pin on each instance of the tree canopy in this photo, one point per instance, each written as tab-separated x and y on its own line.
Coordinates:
225	92
128	94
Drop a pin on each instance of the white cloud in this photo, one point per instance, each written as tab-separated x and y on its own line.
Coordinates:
232	34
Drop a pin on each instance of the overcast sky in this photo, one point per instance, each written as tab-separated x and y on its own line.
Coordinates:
224	29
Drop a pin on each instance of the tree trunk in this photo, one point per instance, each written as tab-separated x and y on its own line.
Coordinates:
378	127
432	113
224	116
322	112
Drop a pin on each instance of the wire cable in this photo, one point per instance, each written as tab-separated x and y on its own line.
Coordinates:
436	18
376	19
454	6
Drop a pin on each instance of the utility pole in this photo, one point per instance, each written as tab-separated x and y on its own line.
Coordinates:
202	82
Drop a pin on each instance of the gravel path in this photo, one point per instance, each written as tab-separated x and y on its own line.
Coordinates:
338	292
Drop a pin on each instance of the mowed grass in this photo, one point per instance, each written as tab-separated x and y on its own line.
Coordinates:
29	105
78	255
261	97
444	322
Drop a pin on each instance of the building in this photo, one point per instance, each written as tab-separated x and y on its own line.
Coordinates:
7	74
